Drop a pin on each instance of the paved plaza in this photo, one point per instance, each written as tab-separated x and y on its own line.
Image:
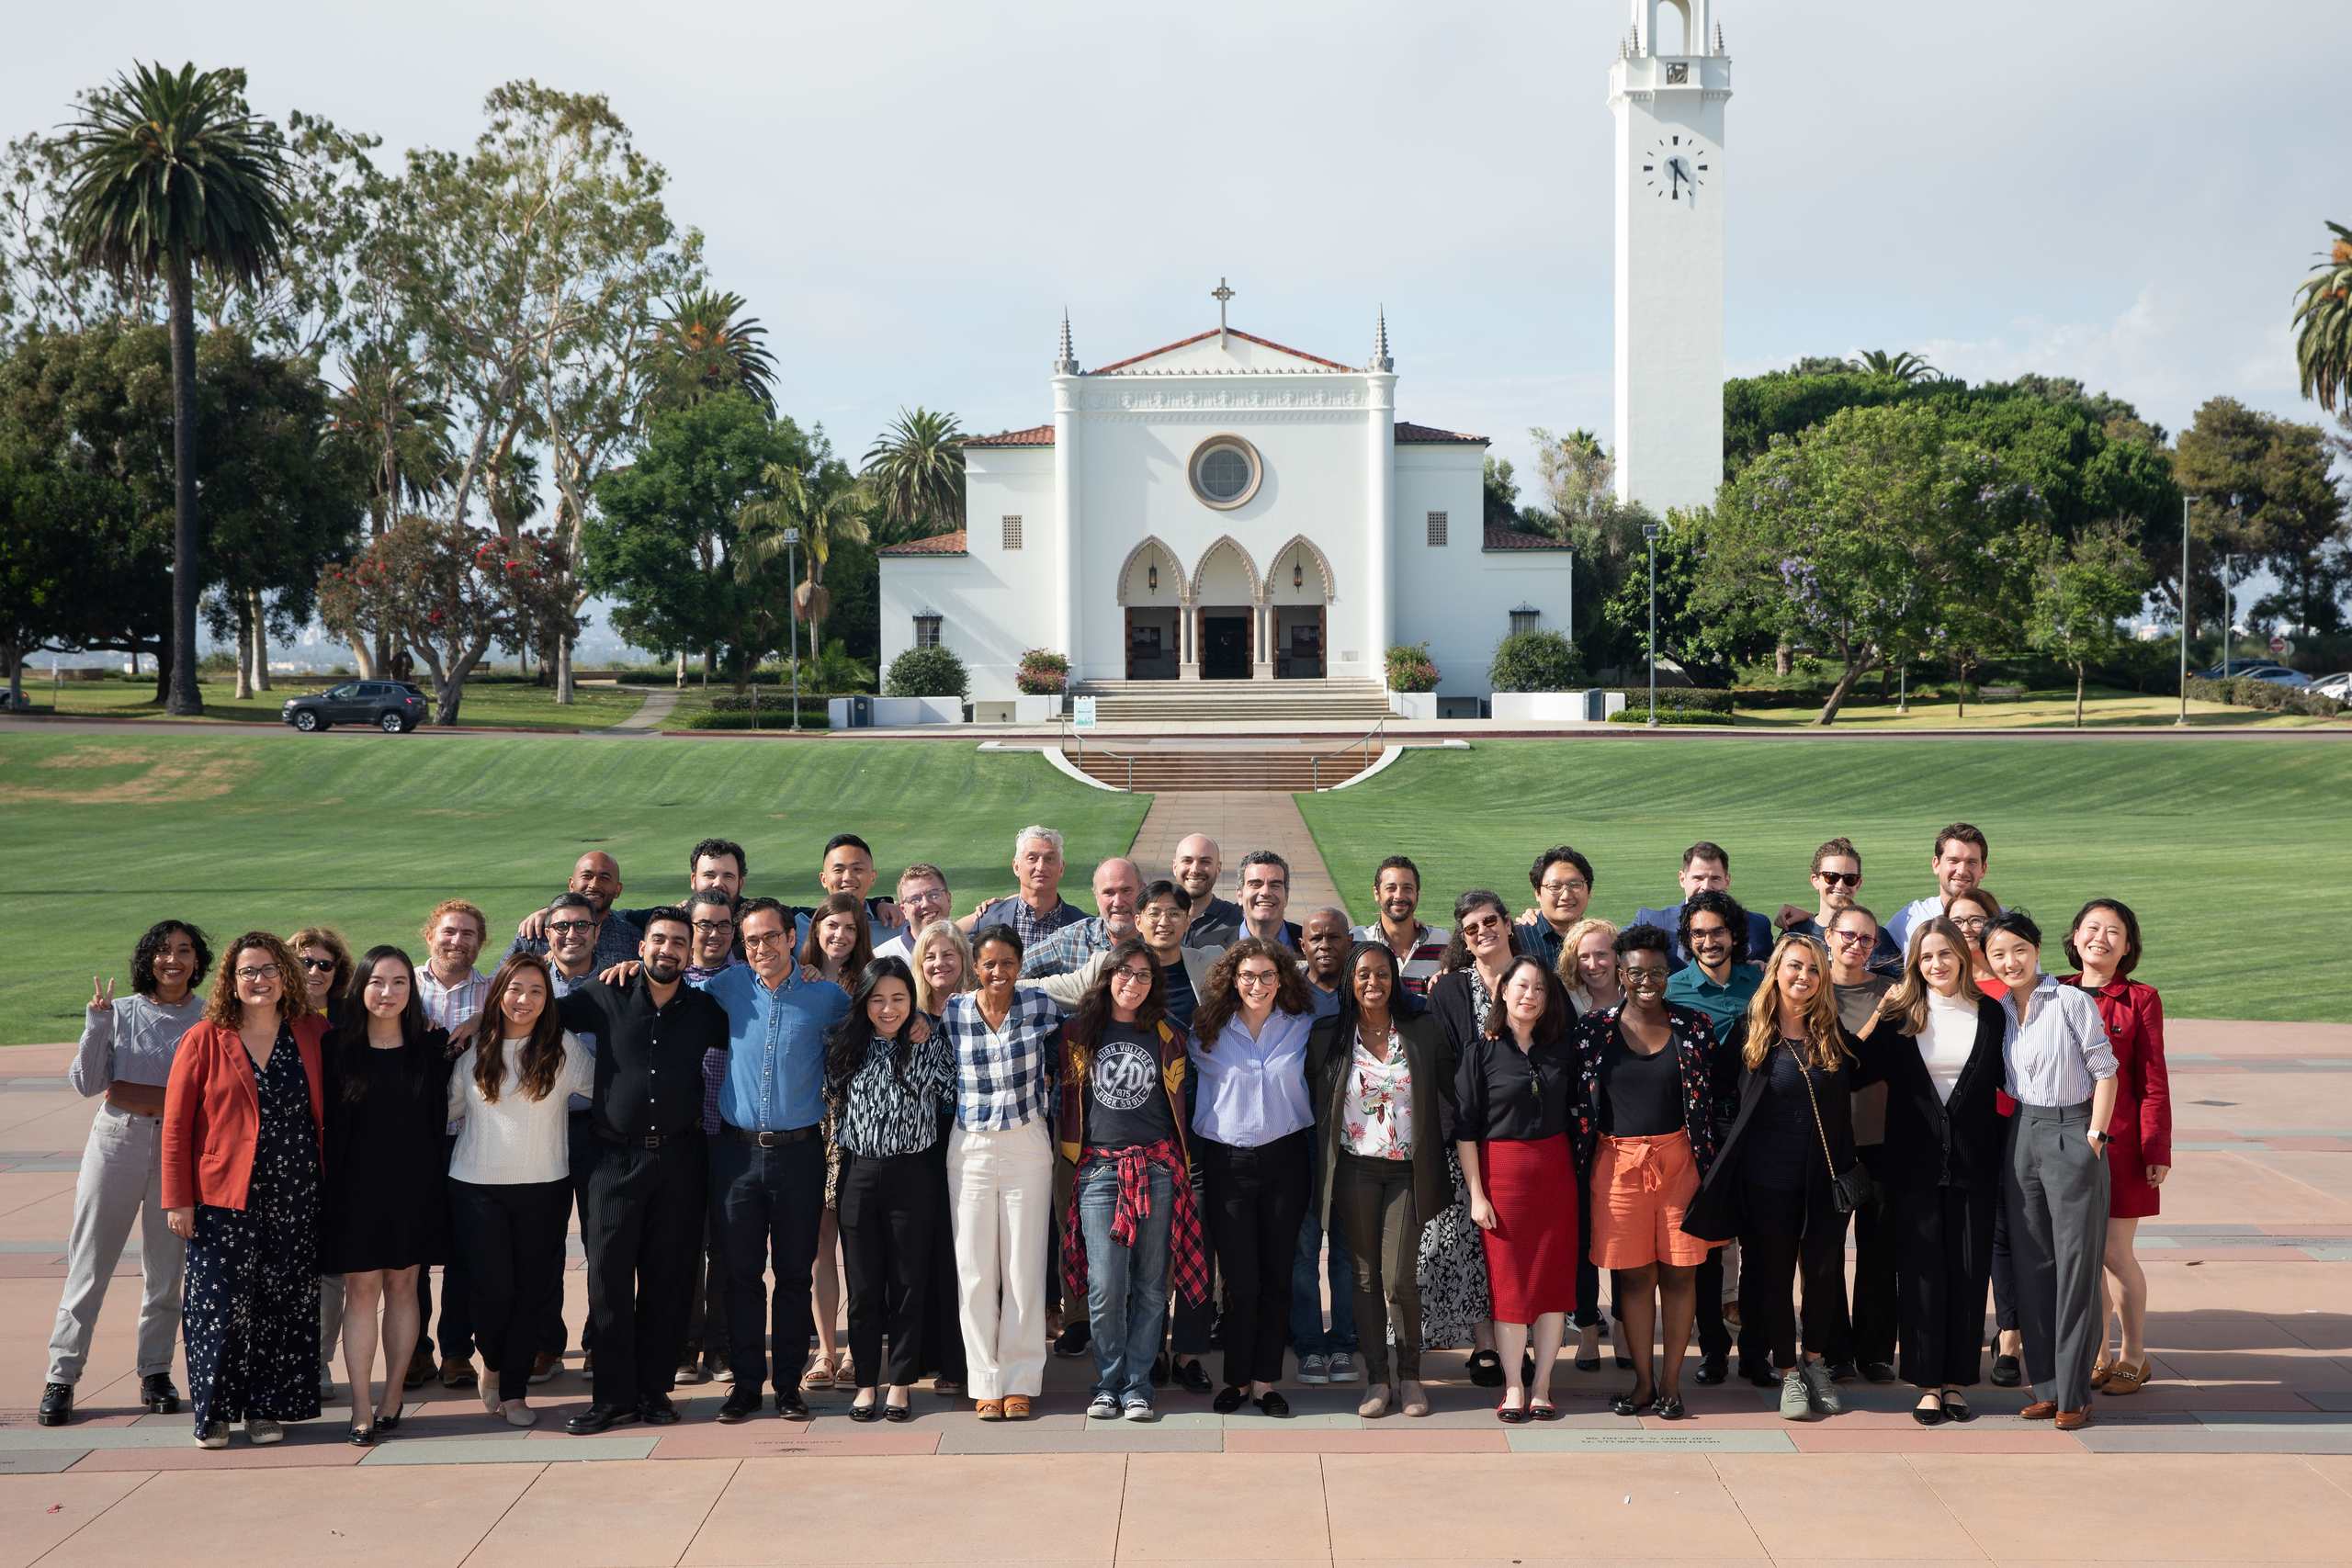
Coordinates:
2241	1451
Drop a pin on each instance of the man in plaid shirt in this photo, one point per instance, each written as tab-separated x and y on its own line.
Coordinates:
1118	884
1038	911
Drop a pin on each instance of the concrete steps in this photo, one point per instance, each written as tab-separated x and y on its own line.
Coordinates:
1245	701
1154	771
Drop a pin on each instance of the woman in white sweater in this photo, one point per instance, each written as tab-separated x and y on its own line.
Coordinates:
510	1190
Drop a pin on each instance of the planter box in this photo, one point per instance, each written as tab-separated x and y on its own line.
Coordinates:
1413	705
1556	707
1036	710
892	711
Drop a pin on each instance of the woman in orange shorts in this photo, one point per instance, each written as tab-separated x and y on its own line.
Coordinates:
1645	1132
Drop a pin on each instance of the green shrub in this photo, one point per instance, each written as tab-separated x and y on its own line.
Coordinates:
1535	661
1043	673
812	717
1669	716
927	672
2245	692
1680	699
1410	668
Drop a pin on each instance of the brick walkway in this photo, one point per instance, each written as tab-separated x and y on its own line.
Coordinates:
1239	820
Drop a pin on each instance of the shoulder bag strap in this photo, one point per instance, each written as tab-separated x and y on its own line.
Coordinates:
1827	1159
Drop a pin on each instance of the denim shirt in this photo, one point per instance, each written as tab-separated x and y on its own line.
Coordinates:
776	1047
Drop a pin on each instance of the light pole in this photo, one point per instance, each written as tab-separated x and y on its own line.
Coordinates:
1650	531
791	537
2182	721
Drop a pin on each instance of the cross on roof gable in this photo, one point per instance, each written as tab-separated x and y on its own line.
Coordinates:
1141	363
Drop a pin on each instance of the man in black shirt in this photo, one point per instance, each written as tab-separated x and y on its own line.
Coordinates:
646	1195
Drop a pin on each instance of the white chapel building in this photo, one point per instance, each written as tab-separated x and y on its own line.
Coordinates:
1228	509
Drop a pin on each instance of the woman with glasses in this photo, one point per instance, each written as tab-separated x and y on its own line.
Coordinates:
1452	1270
1971	914
1250	1121
1380	1077
387	1207
241	1151
1644	1128
839	946
1132	1221
1515	1086
2104	946
325	959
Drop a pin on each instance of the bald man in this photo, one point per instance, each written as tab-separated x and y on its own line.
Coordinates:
1118	887
1217	922
595	876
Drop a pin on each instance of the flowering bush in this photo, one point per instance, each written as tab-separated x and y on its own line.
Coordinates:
1410	668
1043	673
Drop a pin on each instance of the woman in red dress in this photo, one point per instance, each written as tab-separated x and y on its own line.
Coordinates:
2105	945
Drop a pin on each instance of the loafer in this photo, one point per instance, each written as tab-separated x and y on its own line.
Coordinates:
1271	1402
2073	1420
1159	1371
659	1411
1229	1400
741	1405
1314	1368
520	1413
212	1435
56	1403
261	1431
1760	1373
1416	1398
1878	1371
603	1418
2040	1410
1103	1407
1821	1388
2006	1373
862	1412
1193	1377
788	1404
1712	1371
1794	1404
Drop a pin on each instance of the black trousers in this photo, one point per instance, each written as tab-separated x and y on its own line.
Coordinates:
1943	1254
510	1236
1874	1316
1192	1325
1791	1239
645	1215
1257	1201
2004	1273
1714	1334
763	1203
889	1217
579	1138
456	1297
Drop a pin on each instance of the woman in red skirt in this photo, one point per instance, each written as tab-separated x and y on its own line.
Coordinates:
1515	1086
2104	944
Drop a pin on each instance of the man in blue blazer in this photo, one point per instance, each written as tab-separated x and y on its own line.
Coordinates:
1705	867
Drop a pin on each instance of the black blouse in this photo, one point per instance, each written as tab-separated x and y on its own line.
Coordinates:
1504	1092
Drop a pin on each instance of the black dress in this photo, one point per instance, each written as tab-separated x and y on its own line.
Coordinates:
251	1320
387	1191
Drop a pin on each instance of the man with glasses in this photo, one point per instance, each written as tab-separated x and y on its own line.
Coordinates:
1563	882
1118	883
1961	859
713	912
1837	881
573	925
1706	868
1396	888
922	898
713	863
1719	982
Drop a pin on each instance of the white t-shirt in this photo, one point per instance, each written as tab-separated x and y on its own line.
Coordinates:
1949	1040
1910	915
517	1140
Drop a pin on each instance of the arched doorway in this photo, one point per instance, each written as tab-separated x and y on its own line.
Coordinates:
1299	591
1152	590
1226	596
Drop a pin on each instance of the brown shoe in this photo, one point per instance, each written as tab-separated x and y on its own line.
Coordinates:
2073	1420
988	1409
2040	1410
458	1371
1016	1407
2124	1377
545	1366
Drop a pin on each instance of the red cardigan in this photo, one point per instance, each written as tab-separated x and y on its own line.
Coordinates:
213	1113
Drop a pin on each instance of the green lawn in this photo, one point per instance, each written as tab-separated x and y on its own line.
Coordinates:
2234	854
367	832
488	704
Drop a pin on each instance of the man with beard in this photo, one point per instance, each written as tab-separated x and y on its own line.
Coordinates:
1216	923
646	1194
1396	884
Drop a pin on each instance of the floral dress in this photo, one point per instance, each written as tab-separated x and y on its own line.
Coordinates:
251	1320
1452	1269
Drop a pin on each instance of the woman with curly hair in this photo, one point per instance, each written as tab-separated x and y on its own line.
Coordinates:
510	1190
242	1142
1251	1121
325	959
127	1047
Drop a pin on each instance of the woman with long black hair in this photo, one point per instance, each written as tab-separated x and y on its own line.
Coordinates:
510	1188
386	1212
885	1091
838	947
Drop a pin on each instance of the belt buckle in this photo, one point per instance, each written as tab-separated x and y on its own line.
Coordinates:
651	1141
771	1140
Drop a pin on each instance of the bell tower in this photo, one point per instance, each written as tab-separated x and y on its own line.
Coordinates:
1668	91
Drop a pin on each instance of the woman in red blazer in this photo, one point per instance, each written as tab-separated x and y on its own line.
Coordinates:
2104	943
242	1153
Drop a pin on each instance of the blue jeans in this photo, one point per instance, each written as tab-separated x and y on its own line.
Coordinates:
767	1202
1126	1287
1308	1337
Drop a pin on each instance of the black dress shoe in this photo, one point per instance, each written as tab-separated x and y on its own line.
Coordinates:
896	1412
158	1394
1229	1400
1271	1402
361	1437
1670	1409
741	1405
1193	1377
603	1418
1761	1375
56	1403
789	1404
1878	1371
2007	1373
1074	1339
863	1413
1712	1371
1587	1363
1159	1371
1844	1371
659	1411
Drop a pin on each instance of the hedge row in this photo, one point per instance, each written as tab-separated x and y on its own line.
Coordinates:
2245	692
777	718
773	702
1684	699
1669	716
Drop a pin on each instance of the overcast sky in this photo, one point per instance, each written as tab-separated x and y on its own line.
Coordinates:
909	193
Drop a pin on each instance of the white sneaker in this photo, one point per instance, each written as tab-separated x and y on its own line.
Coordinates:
1343	1366
1141	1410
1314	1368
1103	1408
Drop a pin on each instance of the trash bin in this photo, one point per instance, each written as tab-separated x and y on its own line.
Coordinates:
861	712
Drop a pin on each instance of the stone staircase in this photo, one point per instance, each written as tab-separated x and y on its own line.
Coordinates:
1195	767
1362	702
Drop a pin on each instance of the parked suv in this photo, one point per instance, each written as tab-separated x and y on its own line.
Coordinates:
391	706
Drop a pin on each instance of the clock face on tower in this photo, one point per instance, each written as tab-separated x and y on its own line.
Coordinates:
1676	168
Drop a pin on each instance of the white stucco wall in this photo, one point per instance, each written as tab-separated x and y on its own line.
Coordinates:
993	604
1458	599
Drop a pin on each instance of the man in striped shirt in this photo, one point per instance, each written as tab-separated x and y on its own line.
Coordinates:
1397	888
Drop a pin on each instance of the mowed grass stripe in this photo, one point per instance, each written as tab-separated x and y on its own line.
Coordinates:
368	832
2233	852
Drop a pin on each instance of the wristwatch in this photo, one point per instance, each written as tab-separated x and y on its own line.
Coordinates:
2103	1139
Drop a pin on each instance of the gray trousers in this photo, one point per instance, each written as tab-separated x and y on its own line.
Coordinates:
331	1325
2056	1191
121	1181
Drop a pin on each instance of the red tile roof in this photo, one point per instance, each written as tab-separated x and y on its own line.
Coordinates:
1514	539
937	545
1036	436
1261	343
1429	435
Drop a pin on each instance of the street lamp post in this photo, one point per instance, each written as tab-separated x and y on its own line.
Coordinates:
792	605
1650	531
2183	720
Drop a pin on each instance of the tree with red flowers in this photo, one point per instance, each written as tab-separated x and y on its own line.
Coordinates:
450	592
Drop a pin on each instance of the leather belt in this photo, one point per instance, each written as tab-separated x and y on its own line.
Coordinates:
136	1099
768	1140
652	1142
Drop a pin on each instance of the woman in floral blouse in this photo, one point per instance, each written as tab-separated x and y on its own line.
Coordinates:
1378	1078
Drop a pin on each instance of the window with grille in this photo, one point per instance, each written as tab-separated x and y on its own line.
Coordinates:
1523	621
1437	530
926	631
1013	533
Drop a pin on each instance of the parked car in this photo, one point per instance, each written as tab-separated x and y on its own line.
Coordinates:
392	706
2338	686
2240	667
2278	675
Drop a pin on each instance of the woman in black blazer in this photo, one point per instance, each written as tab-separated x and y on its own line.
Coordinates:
1937	1050
1378	1076
1773	1184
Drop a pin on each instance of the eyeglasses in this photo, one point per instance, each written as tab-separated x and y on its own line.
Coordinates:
1141	977
1850	938
561	928
705	928
315	966
1572	885
258	972
1257	980
1841	878
1646	977
763	938
1711	935
1972	922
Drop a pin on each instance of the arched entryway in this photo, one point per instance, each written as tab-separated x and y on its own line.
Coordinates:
1298	592
1153	593
1227	594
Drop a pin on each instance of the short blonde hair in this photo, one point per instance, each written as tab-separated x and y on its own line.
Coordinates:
1570	939
930	937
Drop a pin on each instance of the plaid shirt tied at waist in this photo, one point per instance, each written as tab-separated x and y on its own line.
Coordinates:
1188	1264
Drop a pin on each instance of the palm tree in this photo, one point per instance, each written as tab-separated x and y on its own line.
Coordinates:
1905	366
917	471
706	346
173	175
2323	323
824	519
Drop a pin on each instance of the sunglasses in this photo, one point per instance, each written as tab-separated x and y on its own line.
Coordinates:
315	966
1841	878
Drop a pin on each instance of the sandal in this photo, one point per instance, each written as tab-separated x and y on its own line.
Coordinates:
2123	1378
1016	1407
989	1409
823	1371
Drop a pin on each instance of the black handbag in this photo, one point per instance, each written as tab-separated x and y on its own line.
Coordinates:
1854	1189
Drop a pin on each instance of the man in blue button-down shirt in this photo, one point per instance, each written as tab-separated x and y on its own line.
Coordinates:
767	1165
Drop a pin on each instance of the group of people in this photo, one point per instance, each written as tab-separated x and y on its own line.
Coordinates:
1140	1135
